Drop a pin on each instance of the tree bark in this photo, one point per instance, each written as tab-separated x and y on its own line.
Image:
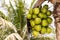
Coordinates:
56	15
38	3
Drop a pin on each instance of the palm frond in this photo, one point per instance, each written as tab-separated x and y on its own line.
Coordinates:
17	16
3	15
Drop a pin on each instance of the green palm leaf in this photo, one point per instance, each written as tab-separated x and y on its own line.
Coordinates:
17	16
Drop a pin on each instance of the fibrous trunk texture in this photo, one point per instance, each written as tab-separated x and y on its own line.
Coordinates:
56	15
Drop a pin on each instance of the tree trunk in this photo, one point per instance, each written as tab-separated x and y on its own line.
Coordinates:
56	15
57	24
38	3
